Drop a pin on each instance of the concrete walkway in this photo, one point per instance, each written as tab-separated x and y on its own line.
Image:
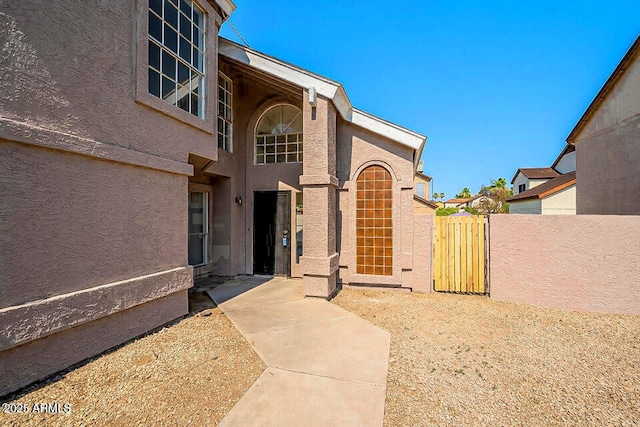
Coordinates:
325	366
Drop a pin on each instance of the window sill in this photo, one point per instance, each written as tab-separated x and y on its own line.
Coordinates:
146	99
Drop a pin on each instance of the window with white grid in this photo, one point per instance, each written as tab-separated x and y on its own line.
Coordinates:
279	135
225	112
176	54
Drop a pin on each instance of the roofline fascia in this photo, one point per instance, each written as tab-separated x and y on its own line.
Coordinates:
604	90
546	193
325	87
227	7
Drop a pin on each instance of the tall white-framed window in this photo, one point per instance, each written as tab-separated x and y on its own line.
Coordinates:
176	54
279	135
225	112
421	190
198	227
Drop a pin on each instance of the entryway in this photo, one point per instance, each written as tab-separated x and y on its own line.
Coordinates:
271	233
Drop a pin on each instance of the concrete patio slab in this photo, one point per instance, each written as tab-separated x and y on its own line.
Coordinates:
326	366
285	398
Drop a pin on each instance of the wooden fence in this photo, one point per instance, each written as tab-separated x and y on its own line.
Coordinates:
460	254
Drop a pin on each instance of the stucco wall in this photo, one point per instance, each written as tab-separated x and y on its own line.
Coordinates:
22	365
251	97
69	223
608	170
531	206
620	103
570	262
567	163
531	183
358	148
561	203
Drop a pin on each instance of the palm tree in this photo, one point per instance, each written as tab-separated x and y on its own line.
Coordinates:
464	194
499	183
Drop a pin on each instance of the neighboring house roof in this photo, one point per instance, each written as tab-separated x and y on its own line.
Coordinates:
457	201
608	86
423	176
536	173
425	202
567	149
325	87
548	188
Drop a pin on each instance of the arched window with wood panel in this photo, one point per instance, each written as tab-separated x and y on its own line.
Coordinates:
374	230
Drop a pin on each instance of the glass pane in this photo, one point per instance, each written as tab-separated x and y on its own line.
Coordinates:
270	158
154	55
183	74
196	212
185	49
196	249
195	104
292	158
168	65
196	81
197	59
183	97
197	17
168	90
170	14
281	158
155	26
156	6
185	7
185	27
171	39
154	83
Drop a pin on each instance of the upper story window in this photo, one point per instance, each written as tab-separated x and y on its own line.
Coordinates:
176	54
279	135
522	188
420	190
225	112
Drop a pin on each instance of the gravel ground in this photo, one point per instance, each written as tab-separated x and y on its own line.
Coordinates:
464	360
189	373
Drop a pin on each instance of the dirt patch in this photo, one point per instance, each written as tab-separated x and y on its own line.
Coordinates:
189	373
468	360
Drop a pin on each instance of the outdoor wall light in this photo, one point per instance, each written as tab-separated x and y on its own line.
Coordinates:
239	200
313	96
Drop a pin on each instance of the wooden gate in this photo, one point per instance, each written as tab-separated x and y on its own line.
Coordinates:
460	254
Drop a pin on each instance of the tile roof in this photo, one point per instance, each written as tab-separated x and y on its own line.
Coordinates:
536	173
543	190
425	201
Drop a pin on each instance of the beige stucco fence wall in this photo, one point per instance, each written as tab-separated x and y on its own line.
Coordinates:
583	262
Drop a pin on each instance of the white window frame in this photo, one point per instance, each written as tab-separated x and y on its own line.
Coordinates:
227	122
205	232
198	78
279	141
522	188
424	190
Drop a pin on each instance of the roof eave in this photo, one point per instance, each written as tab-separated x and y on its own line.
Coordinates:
608	85
227	7
324	87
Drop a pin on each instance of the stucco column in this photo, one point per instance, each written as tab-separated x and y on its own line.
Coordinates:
319	182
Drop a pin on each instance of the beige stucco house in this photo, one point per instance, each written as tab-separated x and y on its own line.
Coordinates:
546	191
421	192
607	143
528	178
556	196
137	157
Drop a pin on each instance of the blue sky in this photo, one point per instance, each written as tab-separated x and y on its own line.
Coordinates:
494	85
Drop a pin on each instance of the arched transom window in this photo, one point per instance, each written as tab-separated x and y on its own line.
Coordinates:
374	230
279	135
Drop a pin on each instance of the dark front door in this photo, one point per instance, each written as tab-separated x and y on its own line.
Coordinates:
271	233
